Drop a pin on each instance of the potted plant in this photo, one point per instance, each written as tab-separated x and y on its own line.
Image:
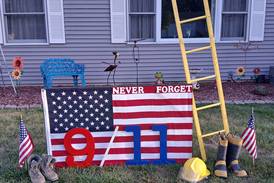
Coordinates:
159	78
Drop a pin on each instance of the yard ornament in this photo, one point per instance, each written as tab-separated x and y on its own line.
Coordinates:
17	63
194	73
159	78
257	71
112	67
194	170
16	74
240	71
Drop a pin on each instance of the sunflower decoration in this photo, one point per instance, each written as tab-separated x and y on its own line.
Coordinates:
240	71
17	63
16	74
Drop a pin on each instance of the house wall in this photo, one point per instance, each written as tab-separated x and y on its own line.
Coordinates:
88	41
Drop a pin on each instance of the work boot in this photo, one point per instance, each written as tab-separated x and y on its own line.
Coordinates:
47	168
220	165
34	169
233	153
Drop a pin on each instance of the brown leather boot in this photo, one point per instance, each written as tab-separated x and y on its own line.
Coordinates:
233	153
34	169
47	168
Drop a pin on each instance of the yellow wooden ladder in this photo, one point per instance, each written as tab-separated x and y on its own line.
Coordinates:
217	75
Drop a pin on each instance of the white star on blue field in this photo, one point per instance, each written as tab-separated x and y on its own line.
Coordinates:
80	108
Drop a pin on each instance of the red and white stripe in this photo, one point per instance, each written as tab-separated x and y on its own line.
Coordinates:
25	150
249	142
145	110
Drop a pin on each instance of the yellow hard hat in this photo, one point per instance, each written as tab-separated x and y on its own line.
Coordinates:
194	170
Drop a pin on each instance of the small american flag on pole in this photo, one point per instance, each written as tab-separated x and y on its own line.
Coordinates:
26	145
249	137
102	110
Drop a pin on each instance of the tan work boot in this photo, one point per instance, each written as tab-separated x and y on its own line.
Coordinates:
34	169
47	168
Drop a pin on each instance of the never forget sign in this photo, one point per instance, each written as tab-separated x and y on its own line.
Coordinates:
119	125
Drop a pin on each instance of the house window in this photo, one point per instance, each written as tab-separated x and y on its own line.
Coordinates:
25	21
142	19
234	19
187	9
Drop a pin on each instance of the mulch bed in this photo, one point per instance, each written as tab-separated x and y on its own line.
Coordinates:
240	91
235	91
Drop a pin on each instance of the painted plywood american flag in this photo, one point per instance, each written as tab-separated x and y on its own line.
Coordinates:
100	110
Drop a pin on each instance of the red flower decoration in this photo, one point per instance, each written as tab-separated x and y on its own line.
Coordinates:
17	63
256	71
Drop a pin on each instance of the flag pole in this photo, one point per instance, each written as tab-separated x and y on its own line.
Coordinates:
252	112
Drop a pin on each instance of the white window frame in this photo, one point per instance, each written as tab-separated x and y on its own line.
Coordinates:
217	27
171	40
4	28
218	24
141	13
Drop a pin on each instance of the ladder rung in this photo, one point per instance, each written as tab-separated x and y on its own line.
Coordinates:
208	106
203	78
198	49
213	133
193	19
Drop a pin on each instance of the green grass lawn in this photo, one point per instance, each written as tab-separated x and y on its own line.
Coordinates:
263	171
